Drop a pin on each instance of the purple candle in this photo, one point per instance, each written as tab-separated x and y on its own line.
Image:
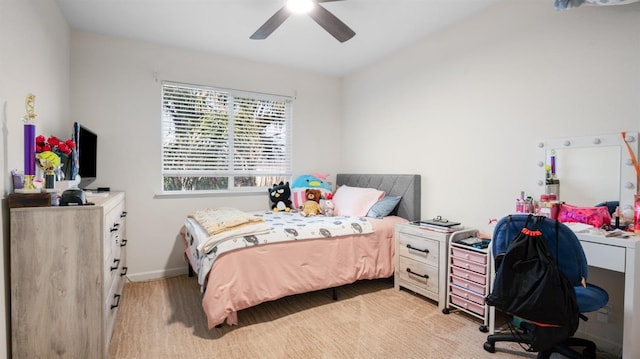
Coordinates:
553	165
29	149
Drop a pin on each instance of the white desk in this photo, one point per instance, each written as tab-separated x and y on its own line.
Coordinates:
620	255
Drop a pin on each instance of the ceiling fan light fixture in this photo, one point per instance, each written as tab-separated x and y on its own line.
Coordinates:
300	6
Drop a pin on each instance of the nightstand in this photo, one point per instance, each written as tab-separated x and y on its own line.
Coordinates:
421	261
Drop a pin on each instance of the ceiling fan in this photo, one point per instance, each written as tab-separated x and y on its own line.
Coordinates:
319	14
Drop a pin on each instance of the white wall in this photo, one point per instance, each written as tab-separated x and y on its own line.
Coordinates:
466	108
115	94
34	58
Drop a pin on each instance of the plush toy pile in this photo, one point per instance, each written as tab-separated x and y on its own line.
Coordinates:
303	182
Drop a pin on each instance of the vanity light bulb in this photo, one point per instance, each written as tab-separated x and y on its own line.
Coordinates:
628	162
628	185
629	138
567	143
540	182
540	144
596	141
540	163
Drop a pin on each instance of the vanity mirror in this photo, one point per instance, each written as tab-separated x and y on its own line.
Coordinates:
592	169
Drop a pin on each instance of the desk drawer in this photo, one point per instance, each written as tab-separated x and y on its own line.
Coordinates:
605	256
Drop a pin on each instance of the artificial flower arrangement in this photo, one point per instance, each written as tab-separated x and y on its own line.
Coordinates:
54	145
50	150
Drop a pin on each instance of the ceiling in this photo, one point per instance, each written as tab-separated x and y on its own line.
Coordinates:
223	27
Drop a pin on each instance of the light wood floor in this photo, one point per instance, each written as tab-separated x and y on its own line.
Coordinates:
370	319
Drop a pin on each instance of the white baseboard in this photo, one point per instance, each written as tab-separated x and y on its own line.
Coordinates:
161	274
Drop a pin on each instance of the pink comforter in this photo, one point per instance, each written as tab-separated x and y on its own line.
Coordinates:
244	278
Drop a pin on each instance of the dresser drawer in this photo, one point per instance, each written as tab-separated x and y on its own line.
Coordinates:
420	249
469	285
469	275
469	255
472	266
113	270
111	305
113	230
418	274
467	304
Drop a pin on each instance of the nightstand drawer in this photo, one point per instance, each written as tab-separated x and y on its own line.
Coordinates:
418	274
420	249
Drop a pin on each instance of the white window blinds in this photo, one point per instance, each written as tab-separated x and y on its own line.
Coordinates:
215	139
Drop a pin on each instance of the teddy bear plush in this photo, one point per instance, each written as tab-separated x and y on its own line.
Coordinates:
280	195
311	206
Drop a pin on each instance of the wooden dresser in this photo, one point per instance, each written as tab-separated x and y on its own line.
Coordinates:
67	274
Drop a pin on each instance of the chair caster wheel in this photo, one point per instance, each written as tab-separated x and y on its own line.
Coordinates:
490	347
483	328
446	311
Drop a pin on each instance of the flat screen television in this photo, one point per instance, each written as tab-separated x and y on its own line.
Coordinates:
86	155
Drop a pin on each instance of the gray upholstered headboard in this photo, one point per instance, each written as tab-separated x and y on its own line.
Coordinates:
405	185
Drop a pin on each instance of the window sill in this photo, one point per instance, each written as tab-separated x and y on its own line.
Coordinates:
204	194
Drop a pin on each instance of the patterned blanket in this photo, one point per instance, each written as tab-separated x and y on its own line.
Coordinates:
282	227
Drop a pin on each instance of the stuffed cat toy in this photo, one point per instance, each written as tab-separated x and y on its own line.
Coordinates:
280	195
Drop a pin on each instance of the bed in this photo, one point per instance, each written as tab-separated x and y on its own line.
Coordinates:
245	277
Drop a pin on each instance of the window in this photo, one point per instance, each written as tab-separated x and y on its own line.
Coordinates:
217	140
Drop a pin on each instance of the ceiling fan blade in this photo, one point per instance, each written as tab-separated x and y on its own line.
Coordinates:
270	25
331	23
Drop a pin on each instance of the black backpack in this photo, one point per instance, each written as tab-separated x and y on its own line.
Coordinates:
528	284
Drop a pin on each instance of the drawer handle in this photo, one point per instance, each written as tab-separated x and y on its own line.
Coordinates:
114	228
417	249
116	298
425	276
124	271
116	261
123	214
123	242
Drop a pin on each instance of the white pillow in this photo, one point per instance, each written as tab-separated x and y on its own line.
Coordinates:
355	201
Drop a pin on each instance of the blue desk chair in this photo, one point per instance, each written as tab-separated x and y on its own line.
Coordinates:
571	261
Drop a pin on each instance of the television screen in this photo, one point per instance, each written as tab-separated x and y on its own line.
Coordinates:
86	151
